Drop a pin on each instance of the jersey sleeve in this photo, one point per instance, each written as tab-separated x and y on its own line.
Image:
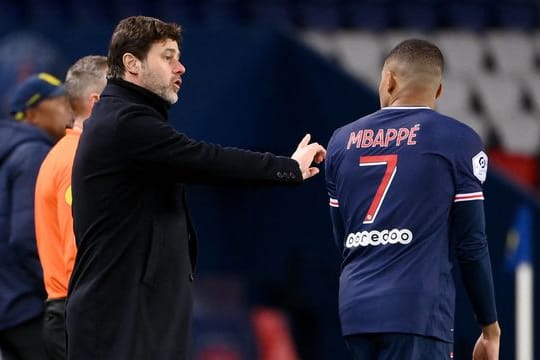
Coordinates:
330	164
471	164
472	252
468	225
338	228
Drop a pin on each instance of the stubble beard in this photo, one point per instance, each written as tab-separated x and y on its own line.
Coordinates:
155	85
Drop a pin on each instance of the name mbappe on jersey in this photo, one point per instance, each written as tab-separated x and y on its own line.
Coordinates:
365	138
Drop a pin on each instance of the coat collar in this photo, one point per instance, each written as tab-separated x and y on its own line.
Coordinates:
137	94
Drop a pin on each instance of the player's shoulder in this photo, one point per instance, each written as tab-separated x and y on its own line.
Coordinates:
345	130
455	130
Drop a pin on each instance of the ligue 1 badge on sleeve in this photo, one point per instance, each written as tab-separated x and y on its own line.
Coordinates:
480	165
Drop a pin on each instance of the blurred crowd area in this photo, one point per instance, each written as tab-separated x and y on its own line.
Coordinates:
321	14
254	89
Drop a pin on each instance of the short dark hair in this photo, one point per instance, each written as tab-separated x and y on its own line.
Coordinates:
135	35
418	52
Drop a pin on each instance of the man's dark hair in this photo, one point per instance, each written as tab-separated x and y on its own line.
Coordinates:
417	52
135	35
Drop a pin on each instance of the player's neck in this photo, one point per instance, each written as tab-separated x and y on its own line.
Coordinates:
413	94
416	101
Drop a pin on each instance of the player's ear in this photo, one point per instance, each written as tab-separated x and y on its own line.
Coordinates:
439	91
391	82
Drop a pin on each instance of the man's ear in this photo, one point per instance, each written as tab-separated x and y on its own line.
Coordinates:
94	97
391	82
30	116
131	63
439	91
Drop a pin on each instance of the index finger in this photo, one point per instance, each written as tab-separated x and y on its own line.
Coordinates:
304	141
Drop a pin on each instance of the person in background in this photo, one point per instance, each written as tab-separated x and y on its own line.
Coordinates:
40	100
130	294
84	83
405	186
38	104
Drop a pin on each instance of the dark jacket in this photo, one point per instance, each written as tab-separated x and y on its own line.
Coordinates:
22	149
130	292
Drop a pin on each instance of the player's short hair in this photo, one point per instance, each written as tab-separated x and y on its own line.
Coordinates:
135	35
417	52
86	75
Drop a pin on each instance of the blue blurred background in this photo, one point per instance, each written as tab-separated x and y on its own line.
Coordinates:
262	73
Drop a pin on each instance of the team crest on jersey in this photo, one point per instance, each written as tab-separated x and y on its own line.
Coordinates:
480	165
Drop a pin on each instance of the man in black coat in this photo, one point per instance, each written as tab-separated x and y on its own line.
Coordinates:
130	291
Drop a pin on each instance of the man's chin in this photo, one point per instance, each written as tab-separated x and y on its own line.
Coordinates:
173	99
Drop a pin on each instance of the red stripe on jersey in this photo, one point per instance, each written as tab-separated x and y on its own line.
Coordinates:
468	197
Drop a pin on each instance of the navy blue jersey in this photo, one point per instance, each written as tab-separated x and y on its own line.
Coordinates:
394	177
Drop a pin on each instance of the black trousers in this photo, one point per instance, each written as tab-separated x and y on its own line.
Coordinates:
23	342
54	329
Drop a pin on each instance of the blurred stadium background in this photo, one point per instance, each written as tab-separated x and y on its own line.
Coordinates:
261	73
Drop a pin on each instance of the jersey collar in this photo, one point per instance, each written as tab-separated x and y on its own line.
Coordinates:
405	107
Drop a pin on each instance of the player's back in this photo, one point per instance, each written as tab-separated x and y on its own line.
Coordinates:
394	175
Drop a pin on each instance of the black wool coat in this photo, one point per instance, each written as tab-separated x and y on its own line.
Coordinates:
130	294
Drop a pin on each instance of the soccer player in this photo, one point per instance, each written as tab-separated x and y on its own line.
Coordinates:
405	186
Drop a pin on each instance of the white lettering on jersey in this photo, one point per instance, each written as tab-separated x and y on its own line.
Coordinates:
376	237
480	165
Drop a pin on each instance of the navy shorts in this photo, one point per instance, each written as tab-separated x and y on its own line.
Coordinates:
392	346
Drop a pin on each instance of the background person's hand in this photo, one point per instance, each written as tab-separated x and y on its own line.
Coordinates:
306	154
487	345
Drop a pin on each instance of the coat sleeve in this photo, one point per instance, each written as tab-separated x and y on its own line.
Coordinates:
24	164
153	145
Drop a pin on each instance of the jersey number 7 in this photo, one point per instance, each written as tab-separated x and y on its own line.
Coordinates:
390	161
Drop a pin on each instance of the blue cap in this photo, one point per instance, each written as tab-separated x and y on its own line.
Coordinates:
32	91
